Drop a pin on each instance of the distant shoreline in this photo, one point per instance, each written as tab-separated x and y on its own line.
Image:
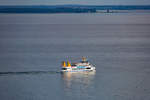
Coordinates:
73	8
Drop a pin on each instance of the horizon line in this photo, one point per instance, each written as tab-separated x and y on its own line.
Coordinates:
76	5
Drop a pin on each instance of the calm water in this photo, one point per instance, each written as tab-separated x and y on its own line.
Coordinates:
32	47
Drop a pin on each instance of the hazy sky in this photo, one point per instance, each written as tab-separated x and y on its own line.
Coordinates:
89	2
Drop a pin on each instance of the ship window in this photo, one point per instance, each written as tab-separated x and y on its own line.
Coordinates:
64	68
88	68
73	65
84	61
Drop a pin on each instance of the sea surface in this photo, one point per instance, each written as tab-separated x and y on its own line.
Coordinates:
32	47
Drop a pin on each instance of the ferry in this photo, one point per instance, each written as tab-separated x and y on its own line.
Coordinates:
83	65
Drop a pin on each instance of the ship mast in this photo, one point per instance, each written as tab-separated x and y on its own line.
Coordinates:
83	59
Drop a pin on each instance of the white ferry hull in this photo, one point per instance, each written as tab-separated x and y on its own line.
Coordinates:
78	70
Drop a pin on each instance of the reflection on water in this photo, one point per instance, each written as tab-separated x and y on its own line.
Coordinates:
78	77
77	84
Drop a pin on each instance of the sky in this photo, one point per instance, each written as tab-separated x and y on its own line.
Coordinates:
83	2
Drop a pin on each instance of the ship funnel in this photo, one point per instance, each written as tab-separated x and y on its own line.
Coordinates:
68	64
63	64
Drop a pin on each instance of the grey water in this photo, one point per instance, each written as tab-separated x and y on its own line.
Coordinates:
32	47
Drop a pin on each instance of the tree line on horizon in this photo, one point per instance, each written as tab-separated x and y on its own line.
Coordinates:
67	8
